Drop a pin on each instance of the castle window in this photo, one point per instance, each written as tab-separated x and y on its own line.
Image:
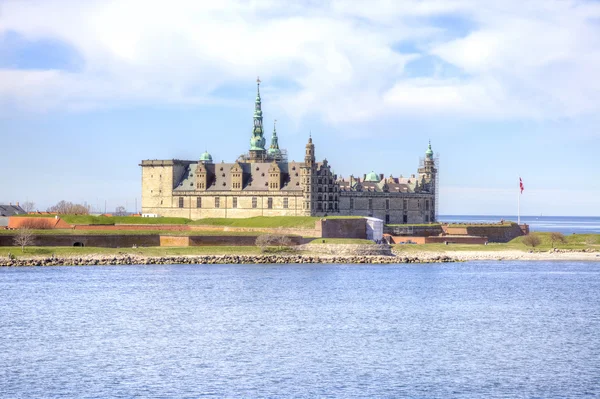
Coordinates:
270	203
405	205
387	204
404	218
426	205
426	218
370	203
285	203
254	202
419	204
161	202
199	202
351	203
217	202
319	206
234	204
181	202
387	219
335	206
319	197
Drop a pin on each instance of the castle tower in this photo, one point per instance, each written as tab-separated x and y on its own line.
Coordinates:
428	181
428	170
257	142
308	179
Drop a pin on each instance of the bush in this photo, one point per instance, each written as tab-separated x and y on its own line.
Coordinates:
532	240
272	240
558	238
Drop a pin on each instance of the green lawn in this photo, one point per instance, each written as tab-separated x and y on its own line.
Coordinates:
298	222
89	219
341	241
573	241
147	251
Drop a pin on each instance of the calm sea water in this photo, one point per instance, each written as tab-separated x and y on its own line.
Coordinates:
562	224
471	330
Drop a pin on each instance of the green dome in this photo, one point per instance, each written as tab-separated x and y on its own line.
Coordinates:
429	152
372	177
274	151
205	157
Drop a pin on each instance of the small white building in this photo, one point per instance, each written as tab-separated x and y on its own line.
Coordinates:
374	229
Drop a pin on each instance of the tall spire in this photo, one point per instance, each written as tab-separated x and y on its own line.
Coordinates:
274	150
257	142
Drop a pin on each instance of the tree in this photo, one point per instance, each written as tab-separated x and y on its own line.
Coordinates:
558	238
28	206
24	237
120	211
69	208
532	240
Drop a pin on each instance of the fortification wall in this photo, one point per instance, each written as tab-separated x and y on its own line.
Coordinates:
499	233
105	241
421	231
342	228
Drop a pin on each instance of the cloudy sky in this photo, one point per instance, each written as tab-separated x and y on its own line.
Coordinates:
501	88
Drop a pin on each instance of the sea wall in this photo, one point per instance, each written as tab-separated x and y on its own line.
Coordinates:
216	259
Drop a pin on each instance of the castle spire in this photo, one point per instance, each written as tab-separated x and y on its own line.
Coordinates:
274	150
274	140
257	142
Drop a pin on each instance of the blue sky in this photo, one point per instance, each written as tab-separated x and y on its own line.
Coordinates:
90	88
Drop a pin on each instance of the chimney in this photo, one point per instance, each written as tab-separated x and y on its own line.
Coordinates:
380	176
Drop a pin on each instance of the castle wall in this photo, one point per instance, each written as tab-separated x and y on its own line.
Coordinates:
392	208
226	207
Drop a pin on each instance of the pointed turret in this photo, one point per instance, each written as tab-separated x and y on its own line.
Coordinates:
257	142
274	151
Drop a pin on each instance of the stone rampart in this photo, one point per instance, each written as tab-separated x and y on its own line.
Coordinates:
105	241
342	228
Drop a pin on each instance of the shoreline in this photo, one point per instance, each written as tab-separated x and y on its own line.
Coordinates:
398	258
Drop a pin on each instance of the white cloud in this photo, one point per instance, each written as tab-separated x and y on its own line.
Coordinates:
533	60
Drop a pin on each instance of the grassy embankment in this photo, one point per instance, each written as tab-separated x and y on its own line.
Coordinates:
574	241
146	251
297	222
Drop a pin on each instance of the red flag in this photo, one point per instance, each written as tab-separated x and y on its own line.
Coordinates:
521	185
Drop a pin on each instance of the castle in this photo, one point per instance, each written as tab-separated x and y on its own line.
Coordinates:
264	183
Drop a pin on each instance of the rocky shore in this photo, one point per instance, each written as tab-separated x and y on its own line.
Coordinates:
217	259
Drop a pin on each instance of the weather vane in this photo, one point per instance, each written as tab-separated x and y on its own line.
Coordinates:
258	79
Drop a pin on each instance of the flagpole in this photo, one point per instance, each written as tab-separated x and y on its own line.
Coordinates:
519	201
519	208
